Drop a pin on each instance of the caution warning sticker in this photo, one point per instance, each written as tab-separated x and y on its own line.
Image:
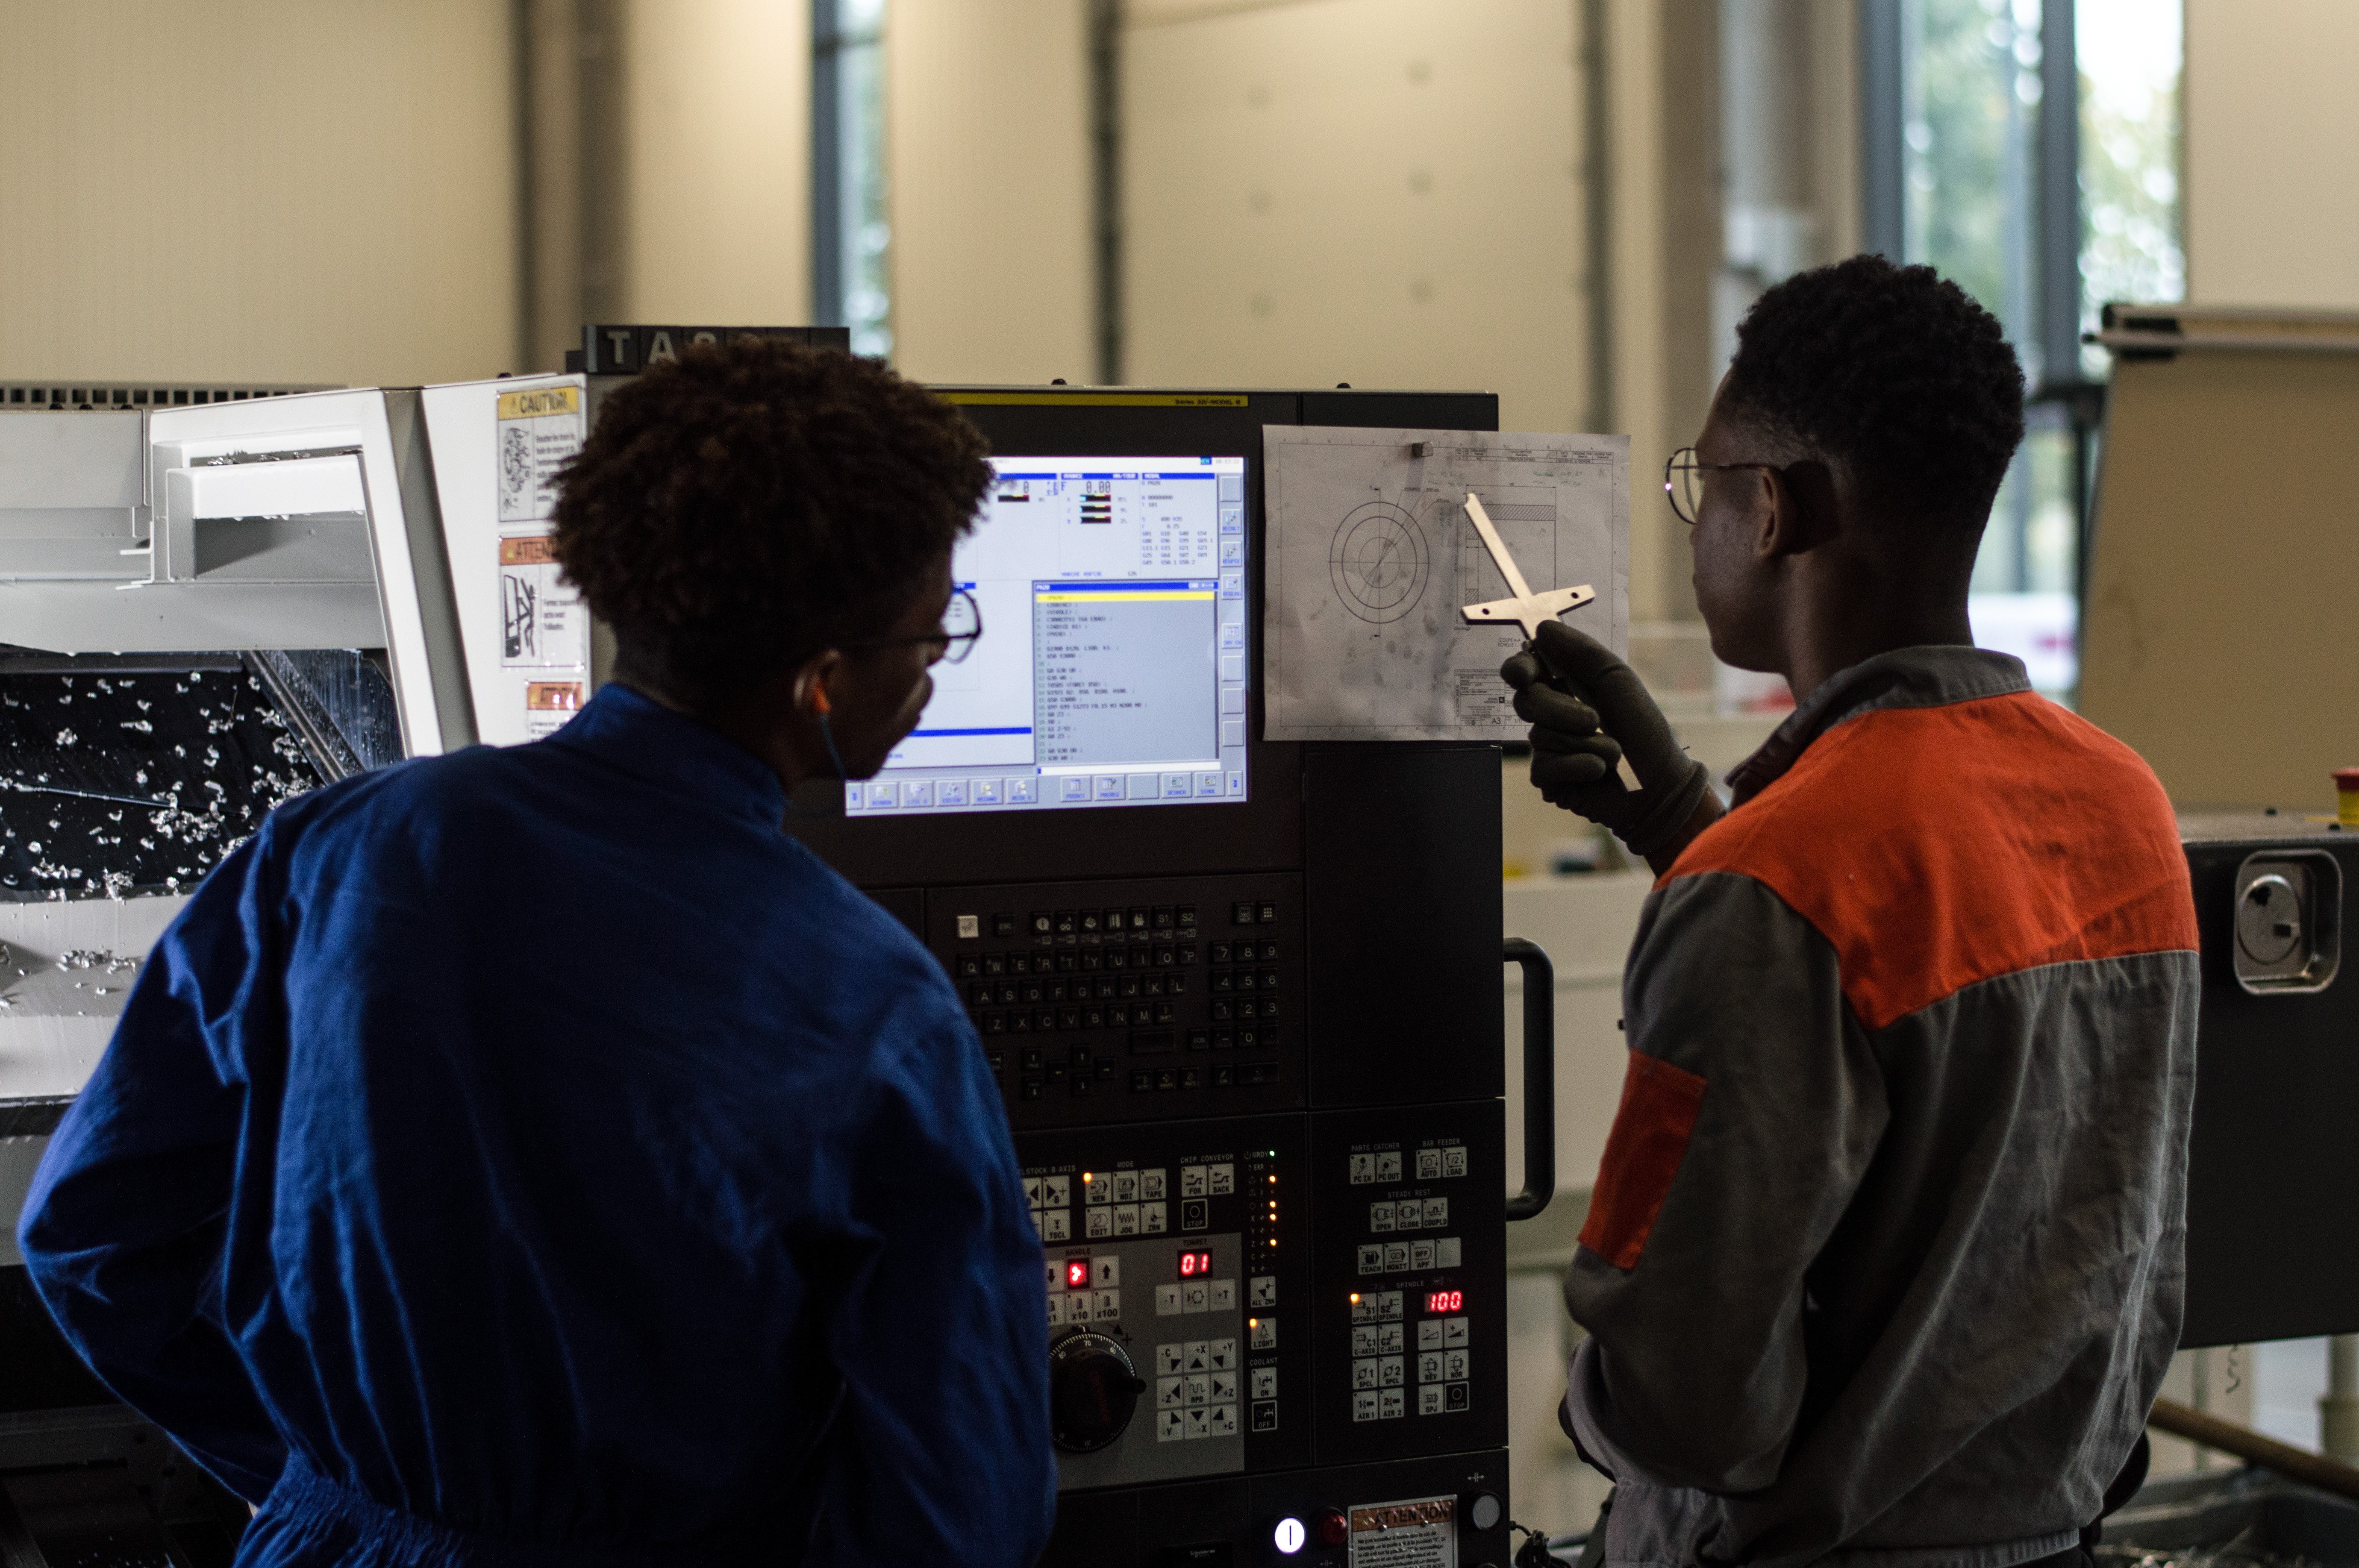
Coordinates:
1420	1532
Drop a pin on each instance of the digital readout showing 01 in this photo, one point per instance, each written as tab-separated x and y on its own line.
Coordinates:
1445	1301
1193	1265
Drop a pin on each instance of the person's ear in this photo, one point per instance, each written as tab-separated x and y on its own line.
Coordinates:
1798	508
810	695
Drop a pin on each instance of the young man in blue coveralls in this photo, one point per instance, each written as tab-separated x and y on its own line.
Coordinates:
534	1156
1883	1262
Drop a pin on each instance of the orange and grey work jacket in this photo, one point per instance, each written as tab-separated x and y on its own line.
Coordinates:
1884	1260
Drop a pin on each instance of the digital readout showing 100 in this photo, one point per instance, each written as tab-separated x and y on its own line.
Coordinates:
1445	1301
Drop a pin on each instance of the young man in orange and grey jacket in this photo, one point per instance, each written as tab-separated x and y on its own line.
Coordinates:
1883	1262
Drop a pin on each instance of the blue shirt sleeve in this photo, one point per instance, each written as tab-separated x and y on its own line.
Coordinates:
125	1229
940	1451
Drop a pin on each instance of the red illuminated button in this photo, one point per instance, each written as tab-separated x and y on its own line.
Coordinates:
1333	1528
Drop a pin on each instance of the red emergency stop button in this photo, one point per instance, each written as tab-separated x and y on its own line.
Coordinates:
1333	1528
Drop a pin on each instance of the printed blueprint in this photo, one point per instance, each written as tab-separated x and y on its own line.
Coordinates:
1370	555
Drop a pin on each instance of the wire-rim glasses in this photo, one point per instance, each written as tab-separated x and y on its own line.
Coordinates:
1684	474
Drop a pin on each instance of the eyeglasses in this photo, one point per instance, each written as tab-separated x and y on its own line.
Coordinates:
962	625
1684	474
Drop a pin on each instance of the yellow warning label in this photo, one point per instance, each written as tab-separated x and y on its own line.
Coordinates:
539	402
553	695
534	550
1101	399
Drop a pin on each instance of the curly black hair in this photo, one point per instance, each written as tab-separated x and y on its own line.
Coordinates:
755	501
1893	373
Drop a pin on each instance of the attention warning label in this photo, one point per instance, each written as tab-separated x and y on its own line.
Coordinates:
1420	1532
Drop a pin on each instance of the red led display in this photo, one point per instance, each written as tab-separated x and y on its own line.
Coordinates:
1077	1274
1194	1263
1445	1301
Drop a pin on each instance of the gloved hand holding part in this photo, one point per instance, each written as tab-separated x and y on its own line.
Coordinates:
1589	709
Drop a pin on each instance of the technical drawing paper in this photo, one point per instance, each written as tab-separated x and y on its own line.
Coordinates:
1370	555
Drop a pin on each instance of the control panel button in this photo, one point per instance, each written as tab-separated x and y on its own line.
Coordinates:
1221	1355
1391	1403
1125	1186
1100	1224
1223	1295
1106	1273
1167	1301
1168	1356
1380	1217
1265	1382
1056	1192
1453	1161
1389	1339
1262	1333
1223	1179
1261	1290
1429	1164
1453	1332
1125	1219
1388	1165
1437	1213
1390	1372
1057	1225
1150	1183
1446	1252
1388	1304
1193	1214
1191	1181
1097	1187
1151	1218
1372	1259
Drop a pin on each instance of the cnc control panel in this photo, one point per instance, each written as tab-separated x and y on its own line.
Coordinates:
1191	1296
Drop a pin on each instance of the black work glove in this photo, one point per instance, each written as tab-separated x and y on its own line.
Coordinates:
1588	710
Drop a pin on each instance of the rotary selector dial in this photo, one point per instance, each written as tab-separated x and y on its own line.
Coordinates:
1092	1391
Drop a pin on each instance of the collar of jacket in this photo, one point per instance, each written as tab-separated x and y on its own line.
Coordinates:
641	736
1931	676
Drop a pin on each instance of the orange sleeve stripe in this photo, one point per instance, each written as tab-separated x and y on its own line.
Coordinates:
1651	1128
1934	848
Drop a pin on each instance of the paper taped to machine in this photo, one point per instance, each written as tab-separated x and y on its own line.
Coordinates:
1371	557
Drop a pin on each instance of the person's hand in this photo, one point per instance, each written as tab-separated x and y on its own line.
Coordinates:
1588	710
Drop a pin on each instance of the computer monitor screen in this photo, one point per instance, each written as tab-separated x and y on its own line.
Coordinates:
1111	670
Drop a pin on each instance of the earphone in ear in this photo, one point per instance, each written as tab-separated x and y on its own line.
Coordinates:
819	704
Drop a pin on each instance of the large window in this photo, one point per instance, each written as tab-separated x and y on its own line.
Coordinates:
2037	164
852	234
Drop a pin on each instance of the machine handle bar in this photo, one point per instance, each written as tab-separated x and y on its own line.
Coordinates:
1540	1077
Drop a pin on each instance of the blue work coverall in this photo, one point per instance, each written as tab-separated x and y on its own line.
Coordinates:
536	1156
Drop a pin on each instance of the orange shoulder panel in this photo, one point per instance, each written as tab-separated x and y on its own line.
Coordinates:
1937	847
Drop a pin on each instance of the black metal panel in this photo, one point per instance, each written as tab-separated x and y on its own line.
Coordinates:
1401	876
2272	1192
1401	410
1230	1523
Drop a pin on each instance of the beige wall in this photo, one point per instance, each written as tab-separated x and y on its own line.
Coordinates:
1378	192
716	220
262	190
2272	152
987	106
